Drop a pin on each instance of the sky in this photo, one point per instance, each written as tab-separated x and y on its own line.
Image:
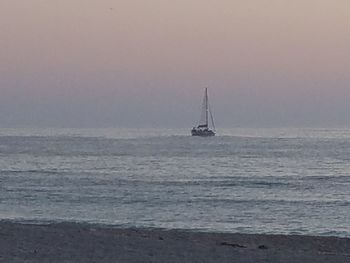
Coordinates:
145	63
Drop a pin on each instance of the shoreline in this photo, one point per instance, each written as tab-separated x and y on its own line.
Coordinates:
83	242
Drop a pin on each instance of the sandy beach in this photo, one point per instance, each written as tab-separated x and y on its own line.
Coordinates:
71	242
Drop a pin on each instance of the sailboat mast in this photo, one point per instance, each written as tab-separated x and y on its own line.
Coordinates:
206	107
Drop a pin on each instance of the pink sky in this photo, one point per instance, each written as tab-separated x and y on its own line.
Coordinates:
101	63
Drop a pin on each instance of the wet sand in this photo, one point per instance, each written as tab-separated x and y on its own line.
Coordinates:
70	242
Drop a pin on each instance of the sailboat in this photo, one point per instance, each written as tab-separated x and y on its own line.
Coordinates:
203	128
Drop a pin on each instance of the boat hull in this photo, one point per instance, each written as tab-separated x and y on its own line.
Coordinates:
202	133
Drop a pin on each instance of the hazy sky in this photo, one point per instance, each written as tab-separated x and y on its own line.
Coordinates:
105	63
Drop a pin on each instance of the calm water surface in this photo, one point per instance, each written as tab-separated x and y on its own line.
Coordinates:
243	180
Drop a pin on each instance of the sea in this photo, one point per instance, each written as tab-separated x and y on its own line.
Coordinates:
272	181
